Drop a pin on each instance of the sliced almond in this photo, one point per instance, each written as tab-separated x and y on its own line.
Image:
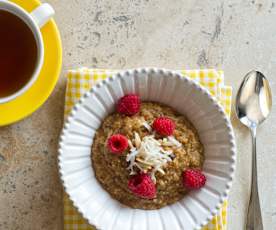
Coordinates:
144	162
147	126
130	144
161	171
137	140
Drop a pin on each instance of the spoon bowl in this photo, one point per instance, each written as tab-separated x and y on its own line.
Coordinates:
254	100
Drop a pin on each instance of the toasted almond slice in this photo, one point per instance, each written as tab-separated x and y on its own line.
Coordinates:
144	162
137	140
169	144
147	126
130	144
161	171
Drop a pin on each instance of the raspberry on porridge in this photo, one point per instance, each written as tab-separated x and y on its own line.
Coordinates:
160	155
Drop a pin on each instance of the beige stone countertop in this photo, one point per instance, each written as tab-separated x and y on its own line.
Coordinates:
233	35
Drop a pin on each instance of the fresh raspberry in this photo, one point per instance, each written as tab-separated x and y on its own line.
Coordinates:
142	185
129	104
117	143
164	126
193	179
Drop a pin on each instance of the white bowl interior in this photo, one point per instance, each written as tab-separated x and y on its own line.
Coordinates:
188	98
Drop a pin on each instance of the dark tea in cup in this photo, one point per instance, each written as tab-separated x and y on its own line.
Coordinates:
18	53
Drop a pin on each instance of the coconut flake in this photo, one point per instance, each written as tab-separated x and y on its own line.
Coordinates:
174	141
148	153
152	175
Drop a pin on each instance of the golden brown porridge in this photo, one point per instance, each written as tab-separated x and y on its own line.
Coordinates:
162	159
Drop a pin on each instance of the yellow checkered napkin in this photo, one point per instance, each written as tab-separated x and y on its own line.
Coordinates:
81	80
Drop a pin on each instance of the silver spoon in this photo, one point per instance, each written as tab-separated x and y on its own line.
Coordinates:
253	104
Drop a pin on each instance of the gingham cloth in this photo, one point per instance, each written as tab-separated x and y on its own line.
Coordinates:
81	80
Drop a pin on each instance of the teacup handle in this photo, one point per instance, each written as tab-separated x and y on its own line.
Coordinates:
42	14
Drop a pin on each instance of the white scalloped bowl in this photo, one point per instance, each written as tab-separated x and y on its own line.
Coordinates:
188	98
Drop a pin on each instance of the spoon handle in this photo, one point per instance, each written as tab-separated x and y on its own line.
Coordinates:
254	215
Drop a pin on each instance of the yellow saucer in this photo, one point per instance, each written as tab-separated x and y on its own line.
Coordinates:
32	99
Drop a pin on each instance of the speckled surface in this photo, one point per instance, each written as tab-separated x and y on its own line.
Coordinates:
234	35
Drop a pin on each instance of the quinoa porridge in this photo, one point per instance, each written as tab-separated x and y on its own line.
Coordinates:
140	159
